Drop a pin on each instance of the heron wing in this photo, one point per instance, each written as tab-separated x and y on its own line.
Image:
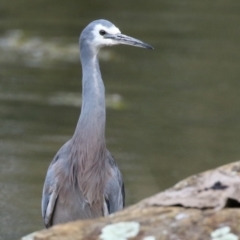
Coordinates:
49	202
114	192
50	193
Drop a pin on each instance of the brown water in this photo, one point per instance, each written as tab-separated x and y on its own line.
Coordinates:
172	112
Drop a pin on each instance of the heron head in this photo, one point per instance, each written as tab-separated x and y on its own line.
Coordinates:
101	33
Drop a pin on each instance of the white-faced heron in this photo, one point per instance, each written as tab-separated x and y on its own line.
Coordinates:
83	180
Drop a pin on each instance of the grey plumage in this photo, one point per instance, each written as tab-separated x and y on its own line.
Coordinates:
83	180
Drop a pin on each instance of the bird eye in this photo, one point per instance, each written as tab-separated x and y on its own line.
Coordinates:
102	32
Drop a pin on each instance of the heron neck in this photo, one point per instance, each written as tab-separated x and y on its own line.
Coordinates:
88	153
91	124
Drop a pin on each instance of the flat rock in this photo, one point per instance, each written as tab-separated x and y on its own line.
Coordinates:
202	207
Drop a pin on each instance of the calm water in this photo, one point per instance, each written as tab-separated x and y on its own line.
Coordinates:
177	110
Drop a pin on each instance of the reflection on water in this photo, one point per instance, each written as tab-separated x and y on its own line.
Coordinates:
172	112
113	101
16	46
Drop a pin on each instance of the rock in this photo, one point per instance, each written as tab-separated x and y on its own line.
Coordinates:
206	207
216	188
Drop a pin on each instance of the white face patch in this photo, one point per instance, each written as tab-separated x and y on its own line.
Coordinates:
99	40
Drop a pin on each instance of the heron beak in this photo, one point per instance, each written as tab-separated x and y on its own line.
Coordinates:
124	39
